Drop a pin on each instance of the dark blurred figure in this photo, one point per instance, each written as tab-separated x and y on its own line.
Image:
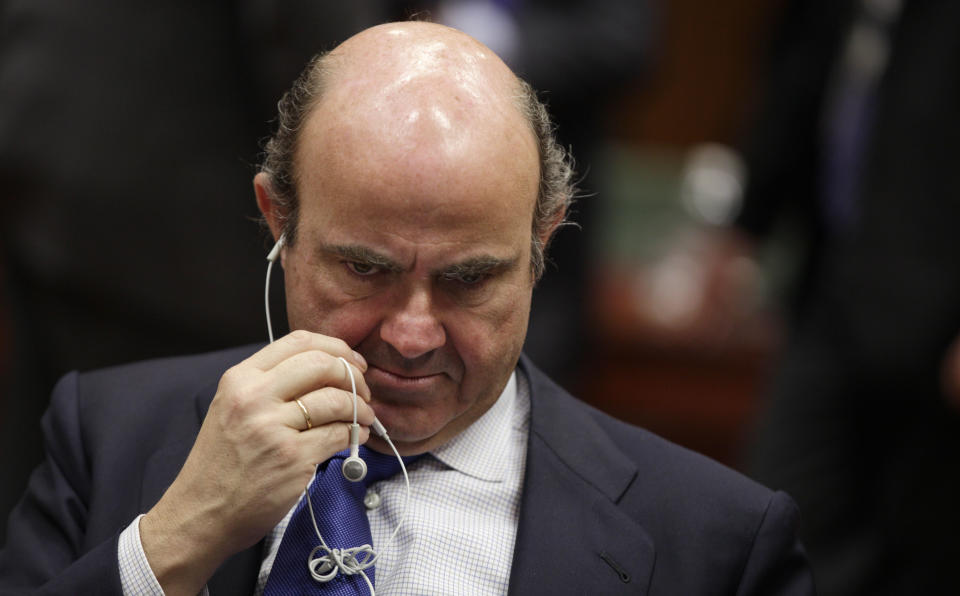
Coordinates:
582	56
860	141
127	130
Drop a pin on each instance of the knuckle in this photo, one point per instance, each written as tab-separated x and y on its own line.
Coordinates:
299	337
318	362
234	410
334	403
340	346
366	412
362	387
351	377
335	437
231	377
245	397
319	359
242	401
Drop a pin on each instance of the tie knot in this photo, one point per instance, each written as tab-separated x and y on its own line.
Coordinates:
381	466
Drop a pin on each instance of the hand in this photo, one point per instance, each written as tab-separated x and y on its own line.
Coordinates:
253	456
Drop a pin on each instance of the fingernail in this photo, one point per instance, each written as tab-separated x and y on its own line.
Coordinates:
361	362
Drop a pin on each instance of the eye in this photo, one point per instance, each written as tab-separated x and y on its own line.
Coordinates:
471	278
467	279
362	269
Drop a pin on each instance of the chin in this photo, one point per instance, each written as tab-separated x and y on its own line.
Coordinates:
405	446
407	424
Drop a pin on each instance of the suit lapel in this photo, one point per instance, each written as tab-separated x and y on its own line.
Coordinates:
572	536
238	574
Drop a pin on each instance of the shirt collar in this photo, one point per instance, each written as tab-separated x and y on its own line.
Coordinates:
477	451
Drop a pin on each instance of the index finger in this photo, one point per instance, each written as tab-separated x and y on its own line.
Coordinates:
303	341
307	371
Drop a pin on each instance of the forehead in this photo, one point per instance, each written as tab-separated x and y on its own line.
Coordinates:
422	195
422	134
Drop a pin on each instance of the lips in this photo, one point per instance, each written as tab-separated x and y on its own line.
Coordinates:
407	390
404	380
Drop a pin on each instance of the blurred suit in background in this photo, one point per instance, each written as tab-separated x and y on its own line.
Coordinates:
859	141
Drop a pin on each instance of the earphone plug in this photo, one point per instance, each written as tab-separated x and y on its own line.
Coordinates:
354	469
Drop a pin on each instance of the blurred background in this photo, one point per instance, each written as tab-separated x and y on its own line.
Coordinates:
765	269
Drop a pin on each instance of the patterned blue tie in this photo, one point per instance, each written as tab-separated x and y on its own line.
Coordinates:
342	520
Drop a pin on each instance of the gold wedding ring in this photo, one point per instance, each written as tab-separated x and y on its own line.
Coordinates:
306	414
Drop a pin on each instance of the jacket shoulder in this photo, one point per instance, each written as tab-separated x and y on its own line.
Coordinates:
708	528
142	404
159	374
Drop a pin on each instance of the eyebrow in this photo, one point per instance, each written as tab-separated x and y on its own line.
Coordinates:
478	265
362	254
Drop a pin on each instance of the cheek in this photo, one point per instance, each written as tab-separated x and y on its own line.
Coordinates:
316	305
490	340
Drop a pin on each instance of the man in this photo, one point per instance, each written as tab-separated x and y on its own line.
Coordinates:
416	184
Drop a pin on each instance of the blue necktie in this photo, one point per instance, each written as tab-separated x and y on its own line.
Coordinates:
342	520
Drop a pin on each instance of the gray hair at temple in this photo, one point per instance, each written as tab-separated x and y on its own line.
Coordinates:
555	195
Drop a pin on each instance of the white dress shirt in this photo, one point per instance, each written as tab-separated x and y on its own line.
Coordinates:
458	534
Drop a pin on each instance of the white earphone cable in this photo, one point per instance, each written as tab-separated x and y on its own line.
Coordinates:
355	560
266	301
350	561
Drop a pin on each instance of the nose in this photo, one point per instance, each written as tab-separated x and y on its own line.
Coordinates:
413	328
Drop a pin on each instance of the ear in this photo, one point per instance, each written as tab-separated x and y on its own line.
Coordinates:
547	232
264	191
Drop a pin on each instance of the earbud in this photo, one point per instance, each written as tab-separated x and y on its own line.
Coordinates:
275	251
355	469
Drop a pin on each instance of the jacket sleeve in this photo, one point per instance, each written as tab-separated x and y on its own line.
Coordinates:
777	564
47	549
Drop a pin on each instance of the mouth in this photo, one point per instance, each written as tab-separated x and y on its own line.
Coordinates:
403	382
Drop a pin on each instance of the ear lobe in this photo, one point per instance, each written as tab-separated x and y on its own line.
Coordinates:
265	201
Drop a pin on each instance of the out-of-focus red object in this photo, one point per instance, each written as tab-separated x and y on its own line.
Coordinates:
683	351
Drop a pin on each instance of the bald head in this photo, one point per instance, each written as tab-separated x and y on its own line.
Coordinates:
398	62
423	96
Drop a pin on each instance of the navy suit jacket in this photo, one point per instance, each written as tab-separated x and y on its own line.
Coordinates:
607	508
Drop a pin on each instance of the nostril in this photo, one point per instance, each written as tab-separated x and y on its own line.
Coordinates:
413	337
